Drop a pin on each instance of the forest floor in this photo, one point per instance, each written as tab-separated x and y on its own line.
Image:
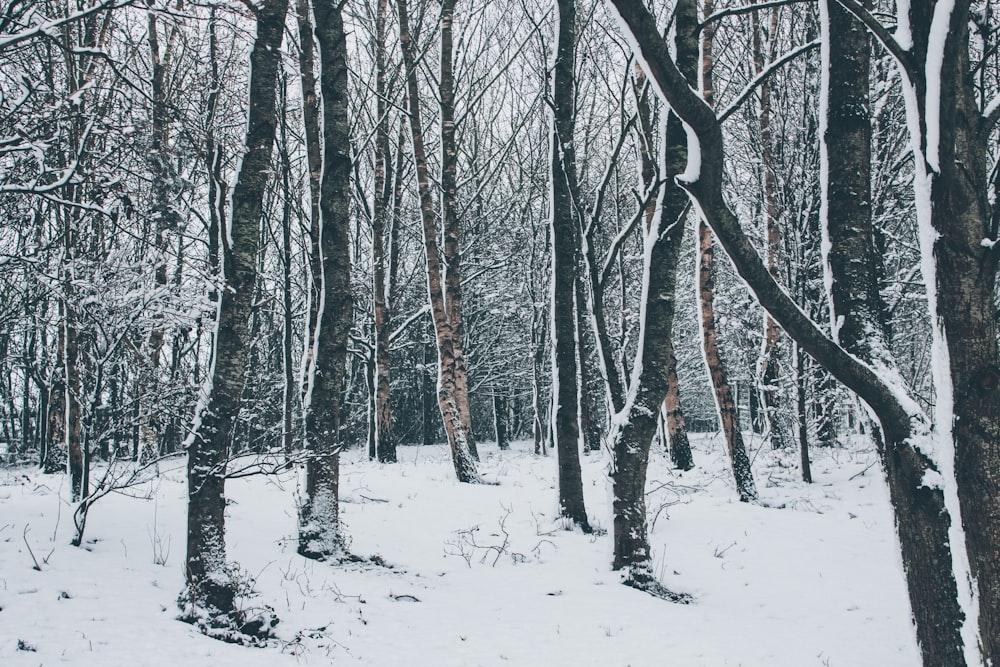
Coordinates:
474	575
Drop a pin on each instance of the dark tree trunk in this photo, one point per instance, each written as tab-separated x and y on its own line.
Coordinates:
590	419
803	414
287	316
210	589
966	358
500	420
385	444
565	244
679	445
922	519
319	520
631	442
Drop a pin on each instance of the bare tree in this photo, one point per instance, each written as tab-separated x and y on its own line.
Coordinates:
210	591
565	244
452	386
932	540
319	521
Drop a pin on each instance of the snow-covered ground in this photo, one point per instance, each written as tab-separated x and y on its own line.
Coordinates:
475	575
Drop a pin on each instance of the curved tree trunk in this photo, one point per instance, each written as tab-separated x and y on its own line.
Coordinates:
209	586
631	442
679	445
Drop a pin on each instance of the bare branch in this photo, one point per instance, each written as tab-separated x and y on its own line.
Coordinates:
767	72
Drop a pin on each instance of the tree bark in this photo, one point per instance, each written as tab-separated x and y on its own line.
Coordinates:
319	520
728	415
500	421
450	225
385	444
451	393
287	316
952	181
922	520
314	159
631	442
590	421
679	445
770	363
565	244
210	588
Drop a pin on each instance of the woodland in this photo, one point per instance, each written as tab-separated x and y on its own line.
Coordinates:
650	247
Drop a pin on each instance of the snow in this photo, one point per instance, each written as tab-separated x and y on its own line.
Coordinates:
991	107
903	33
936	40
481	574
692	171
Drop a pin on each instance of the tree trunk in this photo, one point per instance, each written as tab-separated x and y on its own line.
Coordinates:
314	159
728	415
954	212
590	421
452	393
803	414
210	592
631	441
287	316
770	364
565	244
922	519
427	431
449	218
319	520
385	445
500	420
164	218
679	445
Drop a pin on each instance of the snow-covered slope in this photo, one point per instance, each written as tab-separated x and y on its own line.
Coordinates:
474	575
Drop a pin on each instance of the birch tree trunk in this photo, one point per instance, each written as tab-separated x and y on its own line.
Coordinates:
451	393
449	219
728	415
314	159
